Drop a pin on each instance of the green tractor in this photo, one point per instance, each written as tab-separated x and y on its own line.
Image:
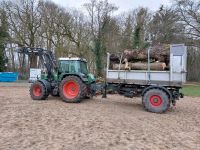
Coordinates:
68	77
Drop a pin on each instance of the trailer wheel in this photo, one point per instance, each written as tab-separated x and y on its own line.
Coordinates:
156	101
38	91
72	89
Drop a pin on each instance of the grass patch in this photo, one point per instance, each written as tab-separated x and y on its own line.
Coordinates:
191	90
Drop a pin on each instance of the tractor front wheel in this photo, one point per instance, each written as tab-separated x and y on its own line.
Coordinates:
38	91
72	89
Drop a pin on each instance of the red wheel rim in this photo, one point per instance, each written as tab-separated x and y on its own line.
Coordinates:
70	89
156	100
37	90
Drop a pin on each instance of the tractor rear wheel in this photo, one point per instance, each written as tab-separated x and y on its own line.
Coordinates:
38	91
156	101
72	89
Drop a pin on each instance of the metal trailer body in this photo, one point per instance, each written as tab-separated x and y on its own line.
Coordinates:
159	89
176	76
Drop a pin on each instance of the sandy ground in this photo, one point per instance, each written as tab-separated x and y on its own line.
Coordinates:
113	123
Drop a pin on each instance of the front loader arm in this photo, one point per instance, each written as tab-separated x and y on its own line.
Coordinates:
46	57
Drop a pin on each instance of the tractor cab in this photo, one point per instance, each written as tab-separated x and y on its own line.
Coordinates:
75	65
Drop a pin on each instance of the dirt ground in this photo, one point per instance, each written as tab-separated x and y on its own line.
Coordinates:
113	123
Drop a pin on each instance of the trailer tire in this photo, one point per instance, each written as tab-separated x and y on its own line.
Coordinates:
72	89
156	101
38	91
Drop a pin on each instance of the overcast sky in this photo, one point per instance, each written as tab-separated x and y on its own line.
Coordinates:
123	5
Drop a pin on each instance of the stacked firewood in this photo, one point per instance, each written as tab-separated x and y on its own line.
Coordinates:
138	59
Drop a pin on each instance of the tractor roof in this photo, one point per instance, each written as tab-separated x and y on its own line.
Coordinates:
72	58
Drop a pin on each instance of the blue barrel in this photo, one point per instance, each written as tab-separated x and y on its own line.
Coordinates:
8	76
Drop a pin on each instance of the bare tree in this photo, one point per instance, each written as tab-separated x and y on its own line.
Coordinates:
165	26
24	21
189	12
3	38
77	32
127	35
142	18
100	15
53	18
112	36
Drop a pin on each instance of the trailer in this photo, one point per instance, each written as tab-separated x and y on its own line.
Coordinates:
158	89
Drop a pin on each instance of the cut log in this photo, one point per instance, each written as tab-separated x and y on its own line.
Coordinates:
144	66
115	58
140	66
118	67
158	53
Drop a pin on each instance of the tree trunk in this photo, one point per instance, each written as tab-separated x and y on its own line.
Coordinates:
98	54
11	52
33	61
